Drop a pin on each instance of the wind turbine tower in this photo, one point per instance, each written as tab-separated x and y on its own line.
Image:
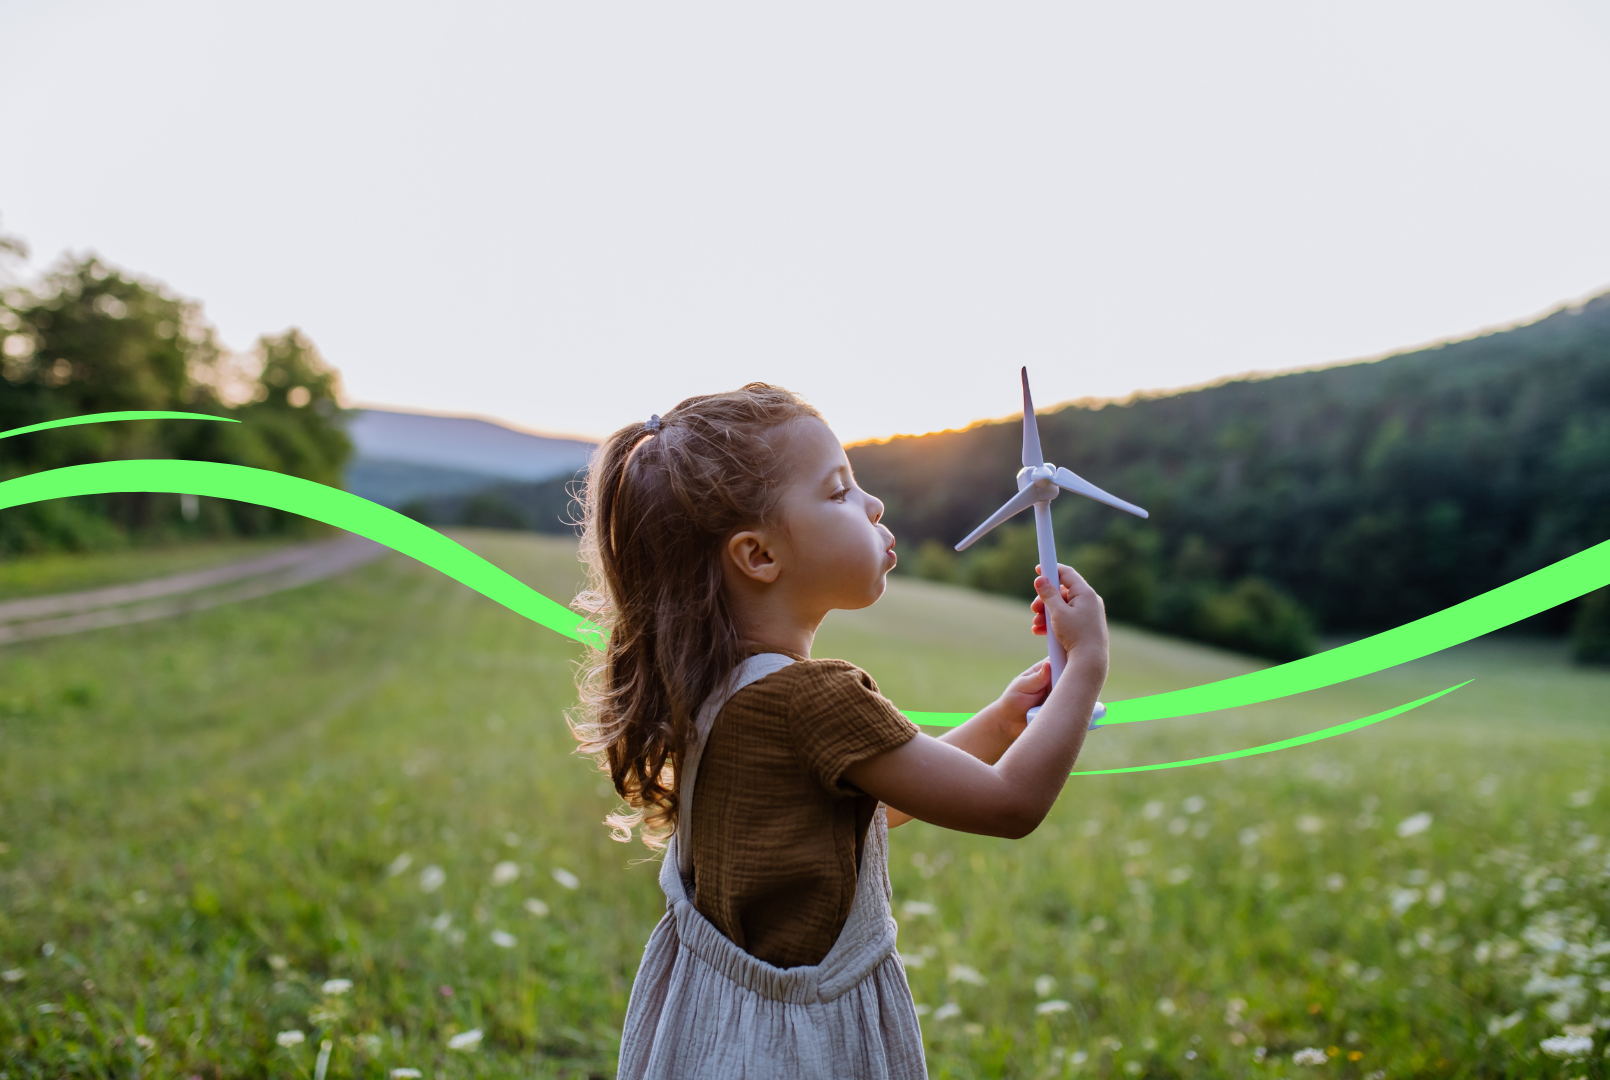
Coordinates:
1038	482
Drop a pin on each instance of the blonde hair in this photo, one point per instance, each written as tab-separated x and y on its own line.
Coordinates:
659	505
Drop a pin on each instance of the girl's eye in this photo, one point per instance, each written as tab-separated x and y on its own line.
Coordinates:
840	495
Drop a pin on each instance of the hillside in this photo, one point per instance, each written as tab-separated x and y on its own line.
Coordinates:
1372	493
403	456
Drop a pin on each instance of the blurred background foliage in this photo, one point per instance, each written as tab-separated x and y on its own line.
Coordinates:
92	338
1336	502
1340	501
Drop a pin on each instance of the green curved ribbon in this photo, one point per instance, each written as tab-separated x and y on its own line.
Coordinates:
1536	592
106	417
313	500
1283	744
1520	599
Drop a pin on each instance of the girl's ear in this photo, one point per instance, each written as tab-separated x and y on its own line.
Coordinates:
751	553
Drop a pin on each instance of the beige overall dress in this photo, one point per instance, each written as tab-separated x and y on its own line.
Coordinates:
702	1008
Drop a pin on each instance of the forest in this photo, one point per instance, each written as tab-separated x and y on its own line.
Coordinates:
1337	501
1329	502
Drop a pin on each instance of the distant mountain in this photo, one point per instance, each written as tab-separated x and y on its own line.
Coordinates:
546	506
402	456
1373	493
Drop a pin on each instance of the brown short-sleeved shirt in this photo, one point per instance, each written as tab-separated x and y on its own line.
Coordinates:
777	833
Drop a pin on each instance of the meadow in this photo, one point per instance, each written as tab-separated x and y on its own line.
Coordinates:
340	831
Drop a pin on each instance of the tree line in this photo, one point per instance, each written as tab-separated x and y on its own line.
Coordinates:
89	337
1341	501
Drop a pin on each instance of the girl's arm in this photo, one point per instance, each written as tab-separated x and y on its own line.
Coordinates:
993	729
940	783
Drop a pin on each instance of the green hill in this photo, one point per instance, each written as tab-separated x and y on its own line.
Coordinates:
1350	498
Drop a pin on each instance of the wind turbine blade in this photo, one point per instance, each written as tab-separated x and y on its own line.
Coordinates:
1016	505
1068	480
1032	457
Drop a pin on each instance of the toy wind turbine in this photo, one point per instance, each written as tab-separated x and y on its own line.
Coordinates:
1038	482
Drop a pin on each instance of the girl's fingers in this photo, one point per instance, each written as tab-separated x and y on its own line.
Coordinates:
1071	580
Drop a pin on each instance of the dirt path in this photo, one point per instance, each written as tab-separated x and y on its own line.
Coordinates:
177	594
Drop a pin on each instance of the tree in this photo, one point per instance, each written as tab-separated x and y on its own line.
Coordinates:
90	338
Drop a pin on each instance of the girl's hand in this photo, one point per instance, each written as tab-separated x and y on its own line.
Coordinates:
1076	613
1022	694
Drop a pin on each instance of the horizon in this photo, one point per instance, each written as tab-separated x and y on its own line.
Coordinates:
1142	394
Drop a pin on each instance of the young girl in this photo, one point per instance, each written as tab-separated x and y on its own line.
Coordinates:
718	538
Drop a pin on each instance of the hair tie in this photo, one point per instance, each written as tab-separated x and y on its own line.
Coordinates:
653	423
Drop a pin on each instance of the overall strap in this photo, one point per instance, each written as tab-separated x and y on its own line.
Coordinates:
754	669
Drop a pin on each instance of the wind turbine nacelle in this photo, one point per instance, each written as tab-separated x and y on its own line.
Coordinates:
1042	478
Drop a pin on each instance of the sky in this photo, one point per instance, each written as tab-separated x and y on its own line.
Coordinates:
572	215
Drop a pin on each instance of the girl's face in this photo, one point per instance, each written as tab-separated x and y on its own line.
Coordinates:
835	553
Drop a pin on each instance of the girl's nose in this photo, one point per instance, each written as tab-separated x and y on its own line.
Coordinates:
874	508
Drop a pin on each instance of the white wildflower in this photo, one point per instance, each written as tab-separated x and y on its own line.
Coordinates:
47	1008
336	986
1403	900
145	1043
465	1040
1194	805
1310	824
1055	1005
1178	826
399	864
278	962
1335	882
1309	1055
1166	1006
1078	1057
912	960
441	922
1043	985
505	872
1414	825
536	907
1179	875
13	974
566	878
405	1074
1152	810
1567	1046
963	974
1580	798
503	939
923	1009
948	1010
138	896
291	1038
432	878
1249	836
911	909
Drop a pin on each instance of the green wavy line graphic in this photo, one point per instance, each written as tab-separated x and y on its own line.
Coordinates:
107	417
313	500
1283	744
1520	599
1536	592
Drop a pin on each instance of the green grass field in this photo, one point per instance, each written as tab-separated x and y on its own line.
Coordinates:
351	812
